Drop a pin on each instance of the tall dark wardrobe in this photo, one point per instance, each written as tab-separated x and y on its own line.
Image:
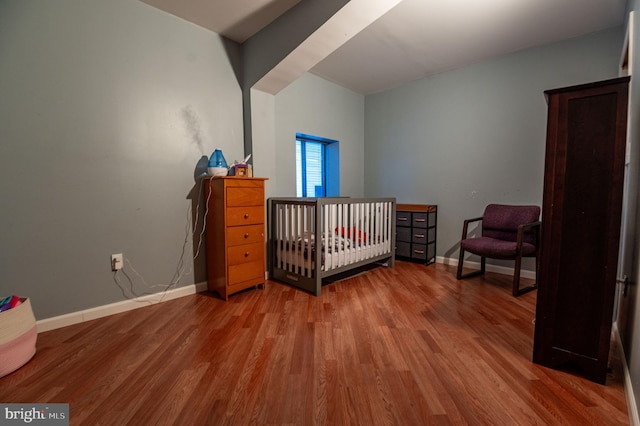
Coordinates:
581	214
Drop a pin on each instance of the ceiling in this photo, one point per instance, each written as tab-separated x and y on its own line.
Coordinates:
417	38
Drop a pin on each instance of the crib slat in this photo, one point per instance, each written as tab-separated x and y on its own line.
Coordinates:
388	210
359	230
327	231
278	236
301	218
341	252
299	227
289	233
365	231
285	236
336	255
309	230
383	242
296	232
275	232
378	227
388	222
301	223
374	228
370	229
310	227
336	236
381	213
354	230
283	230
335	229
345	238
347	228
382	235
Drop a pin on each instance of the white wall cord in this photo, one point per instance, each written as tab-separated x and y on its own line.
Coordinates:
129	293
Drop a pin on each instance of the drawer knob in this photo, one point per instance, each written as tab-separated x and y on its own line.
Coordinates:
246	235
419	235
246	215
246	254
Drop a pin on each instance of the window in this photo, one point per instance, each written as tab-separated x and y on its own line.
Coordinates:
310	169
316	166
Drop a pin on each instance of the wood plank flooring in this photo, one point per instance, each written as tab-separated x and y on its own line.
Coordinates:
404	346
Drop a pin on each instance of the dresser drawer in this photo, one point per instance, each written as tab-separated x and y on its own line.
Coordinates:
403	249
403	219
245	272
237	235
238	196
419	235
245	215
403	234
419	251
423	236
419	220
245	253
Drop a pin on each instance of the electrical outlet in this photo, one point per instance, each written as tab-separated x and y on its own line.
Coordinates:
116	262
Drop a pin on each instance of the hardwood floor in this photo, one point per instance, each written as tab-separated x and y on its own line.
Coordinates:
406	346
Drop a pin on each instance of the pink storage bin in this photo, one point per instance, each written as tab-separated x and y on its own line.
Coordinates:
18	336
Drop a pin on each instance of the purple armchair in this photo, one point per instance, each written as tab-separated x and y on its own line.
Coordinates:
508	232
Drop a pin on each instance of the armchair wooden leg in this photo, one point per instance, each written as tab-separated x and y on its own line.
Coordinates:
460	260
516	277
517	291
460	275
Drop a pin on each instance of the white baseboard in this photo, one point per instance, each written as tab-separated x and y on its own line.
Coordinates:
115	308
632	407
524	273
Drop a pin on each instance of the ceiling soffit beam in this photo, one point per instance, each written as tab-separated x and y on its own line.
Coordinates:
265	49
303	36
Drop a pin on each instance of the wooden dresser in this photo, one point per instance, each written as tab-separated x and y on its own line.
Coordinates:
235	234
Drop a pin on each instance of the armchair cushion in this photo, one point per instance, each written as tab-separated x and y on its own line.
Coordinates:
496	249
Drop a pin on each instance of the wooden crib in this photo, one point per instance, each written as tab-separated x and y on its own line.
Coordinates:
353	232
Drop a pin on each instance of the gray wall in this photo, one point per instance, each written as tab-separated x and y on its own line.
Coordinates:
106	107
474	136
263	129
315	106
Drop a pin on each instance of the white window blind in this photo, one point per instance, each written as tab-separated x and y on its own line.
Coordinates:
310	168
